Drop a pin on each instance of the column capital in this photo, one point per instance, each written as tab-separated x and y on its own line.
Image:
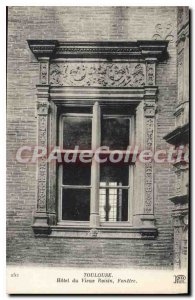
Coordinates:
42	108
150	108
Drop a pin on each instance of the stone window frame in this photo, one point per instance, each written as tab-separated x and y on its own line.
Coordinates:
141	91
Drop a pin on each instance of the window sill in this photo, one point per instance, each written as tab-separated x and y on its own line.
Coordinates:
102	232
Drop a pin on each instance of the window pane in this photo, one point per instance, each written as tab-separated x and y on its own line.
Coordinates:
74	174
115	133
75	205
77	131
113	205
114	173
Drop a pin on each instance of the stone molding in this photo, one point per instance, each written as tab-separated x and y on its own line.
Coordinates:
110	75
138	49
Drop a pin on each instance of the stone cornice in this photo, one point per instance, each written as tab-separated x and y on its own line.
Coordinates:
137	49
42	49
178	136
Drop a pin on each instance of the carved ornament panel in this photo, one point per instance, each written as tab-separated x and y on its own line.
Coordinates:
97	74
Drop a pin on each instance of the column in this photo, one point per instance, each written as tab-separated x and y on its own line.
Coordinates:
95	168
138	201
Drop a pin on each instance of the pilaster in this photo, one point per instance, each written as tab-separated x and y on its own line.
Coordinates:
43	51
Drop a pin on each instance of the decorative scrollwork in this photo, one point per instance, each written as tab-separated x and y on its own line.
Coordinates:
164	32
41	203
149	111
148	188
97	74
42	111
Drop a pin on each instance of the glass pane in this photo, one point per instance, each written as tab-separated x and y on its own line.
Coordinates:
115	133
76	174
114	174
75	205
77	131
113	205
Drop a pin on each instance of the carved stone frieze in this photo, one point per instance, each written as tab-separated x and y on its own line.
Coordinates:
97	74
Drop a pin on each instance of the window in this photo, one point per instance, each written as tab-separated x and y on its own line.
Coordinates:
113	181
75	179
122	77
113	193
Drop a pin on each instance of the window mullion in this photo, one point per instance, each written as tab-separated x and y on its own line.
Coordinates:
95	168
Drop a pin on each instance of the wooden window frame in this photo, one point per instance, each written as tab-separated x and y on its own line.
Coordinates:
89	223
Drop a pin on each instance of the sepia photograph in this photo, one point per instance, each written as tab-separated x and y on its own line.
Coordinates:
97	144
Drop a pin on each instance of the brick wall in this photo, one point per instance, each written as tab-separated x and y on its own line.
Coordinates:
87	23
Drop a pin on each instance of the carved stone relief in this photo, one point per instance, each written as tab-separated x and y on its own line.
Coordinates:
149	110
42	111
97	74
150	74
149	188
164	32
